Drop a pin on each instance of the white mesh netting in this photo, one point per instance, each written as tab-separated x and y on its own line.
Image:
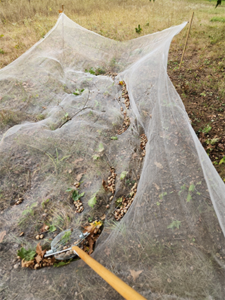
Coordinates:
57	122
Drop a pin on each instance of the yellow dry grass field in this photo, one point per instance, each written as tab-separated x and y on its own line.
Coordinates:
24	22
201	80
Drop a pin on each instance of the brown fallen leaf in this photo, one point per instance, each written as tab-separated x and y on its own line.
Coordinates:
156	186
27	264
78	160
107	251
79	176
2	234
135	274
91	244
38	258
43	228
87	184
103	217
134	155
104	185
39	250
158	165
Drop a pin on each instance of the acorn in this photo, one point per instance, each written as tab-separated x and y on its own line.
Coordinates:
36	266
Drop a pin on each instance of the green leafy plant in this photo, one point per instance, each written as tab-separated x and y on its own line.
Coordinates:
119	201
52	228
174	224
61	263
101	147
222	161
75	194
138	29
212	141
92	201
78	92
188	197
191	188
1	51
99	71
162	195
43	203
123	175
114	138
95	156
27	255
207	129
183	187
91	71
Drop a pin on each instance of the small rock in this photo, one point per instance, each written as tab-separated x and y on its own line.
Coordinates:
16	266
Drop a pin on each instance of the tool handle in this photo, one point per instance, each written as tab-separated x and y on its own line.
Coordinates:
121	287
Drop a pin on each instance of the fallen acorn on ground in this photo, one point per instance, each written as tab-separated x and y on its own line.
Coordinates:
111	183
19	201
79	206
126	203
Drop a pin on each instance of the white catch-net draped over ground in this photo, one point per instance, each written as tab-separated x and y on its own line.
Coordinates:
57	122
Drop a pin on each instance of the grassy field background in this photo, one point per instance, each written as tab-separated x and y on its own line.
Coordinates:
201	80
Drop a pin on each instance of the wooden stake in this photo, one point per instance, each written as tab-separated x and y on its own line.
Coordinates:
61	11
189	29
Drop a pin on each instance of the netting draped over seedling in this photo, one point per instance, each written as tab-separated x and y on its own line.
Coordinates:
61	125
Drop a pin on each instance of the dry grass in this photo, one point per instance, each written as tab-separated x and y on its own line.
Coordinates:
25	23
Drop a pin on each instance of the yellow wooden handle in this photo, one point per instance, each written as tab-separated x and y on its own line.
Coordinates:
121	287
